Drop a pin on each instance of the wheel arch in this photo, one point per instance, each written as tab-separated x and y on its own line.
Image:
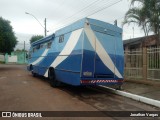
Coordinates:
50	70
30	67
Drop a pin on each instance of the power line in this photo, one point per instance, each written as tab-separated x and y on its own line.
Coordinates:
96	11
116	19
105	7
83	9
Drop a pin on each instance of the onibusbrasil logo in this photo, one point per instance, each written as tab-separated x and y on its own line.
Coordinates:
21	114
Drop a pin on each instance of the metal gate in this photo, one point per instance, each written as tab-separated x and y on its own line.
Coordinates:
153	63
143	64
133	65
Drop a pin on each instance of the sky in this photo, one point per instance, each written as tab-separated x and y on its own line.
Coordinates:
60	13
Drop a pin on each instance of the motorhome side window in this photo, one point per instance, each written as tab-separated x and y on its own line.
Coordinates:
61	38
42	45
34	49
49	44
38	47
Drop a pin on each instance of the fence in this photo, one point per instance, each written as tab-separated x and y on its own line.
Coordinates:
18	57
153	62
21	57
143	64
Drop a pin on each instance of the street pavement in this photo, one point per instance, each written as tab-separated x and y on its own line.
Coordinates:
20	91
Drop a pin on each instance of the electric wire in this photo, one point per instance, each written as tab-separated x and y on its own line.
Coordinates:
83	10
88	14
93	12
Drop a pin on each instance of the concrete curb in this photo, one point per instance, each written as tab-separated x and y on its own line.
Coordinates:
134	97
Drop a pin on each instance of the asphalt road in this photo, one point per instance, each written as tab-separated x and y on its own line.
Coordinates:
19	91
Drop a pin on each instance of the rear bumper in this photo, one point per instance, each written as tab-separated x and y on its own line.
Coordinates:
101	82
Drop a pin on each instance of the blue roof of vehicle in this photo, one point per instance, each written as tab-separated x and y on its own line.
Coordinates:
77	25
80	24
104	25
43	40
74	26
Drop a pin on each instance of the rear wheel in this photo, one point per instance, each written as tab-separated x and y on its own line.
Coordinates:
34	74
52	78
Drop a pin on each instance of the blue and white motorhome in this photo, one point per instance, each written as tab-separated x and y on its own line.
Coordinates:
87	52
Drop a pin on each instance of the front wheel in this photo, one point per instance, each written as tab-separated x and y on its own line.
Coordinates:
34	74
52	78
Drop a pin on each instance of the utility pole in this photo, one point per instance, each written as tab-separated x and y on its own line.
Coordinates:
45	31
133	31
115	22
24	52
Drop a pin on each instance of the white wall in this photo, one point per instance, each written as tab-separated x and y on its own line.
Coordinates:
2	58
12	59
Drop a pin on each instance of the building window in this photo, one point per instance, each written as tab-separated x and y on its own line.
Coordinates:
61	38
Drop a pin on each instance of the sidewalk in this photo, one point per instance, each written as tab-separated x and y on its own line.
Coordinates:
146	90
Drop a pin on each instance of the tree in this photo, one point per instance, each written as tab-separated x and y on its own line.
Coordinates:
136	15
7	37
145	15
35	38
155	16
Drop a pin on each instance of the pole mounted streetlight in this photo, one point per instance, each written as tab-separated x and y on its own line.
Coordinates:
45	30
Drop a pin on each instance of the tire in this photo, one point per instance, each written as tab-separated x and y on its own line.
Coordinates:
31	68
34	74
52	78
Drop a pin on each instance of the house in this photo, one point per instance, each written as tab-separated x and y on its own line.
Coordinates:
138	43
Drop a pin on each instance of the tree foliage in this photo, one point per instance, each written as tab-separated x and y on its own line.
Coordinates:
7	37
35	38
146	15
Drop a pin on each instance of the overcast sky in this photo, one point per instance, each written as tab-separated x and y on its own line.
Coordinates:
60	13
